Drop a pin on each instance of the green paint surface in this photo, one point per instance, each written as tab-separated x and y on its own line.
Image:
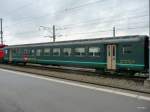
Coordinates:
94	64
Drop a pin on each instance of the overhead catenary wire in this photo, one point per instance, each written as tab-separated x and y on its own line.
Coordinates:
29	19
60	11
111	30
107	33
103	18
92	22
101	22
76	34
92	32
17	9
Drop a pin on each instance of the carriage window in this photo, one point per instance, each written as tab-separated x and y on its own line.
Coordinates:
38	52
47	51
56	52
32	52
6	51
79	51
126	50
67	51
19	51
16	51
94	51
26	51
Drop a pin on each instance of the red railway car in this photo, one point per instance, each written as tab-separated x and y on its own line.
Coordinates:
1	51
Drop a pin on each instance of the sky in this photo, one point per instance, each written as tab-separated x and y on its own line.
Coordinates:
73	19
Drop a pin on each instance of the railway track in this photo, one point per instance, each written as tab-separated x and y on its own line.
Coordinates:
82	71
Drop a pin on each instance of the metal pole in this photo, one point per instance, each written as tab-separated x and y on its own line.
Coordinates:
54	36
149	39
114	32
1	31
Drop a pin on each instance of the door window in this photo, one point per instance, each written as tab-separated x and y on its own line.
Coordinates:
113	50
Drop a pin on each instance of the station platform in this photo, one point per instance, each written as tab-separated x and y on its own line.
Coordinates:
26	92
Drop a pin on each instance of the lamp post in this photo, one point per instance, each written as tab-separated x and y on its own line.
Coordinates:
1	30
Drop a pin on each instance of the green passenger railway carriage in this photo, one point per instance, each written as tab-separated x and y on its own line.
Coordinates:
127	53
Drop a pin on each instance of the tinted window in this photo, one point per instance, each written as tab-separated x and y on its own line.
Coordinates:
38	52
67	51
32	52
46	51
56	52
6	51
94	51
126	50
16	51
79	51
114	51
26	51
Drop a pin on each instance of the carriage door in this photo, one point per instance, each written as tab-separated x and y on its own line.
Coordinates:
111	57
10	55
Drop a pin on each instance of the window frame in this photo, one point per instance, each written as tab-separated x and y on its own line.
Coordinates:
59	53
38	52
32	53
69	53
94	53
80	53
126	50
46	53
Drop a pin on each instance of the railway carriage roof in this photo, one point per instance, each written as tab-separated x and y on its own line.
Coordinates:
86	41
